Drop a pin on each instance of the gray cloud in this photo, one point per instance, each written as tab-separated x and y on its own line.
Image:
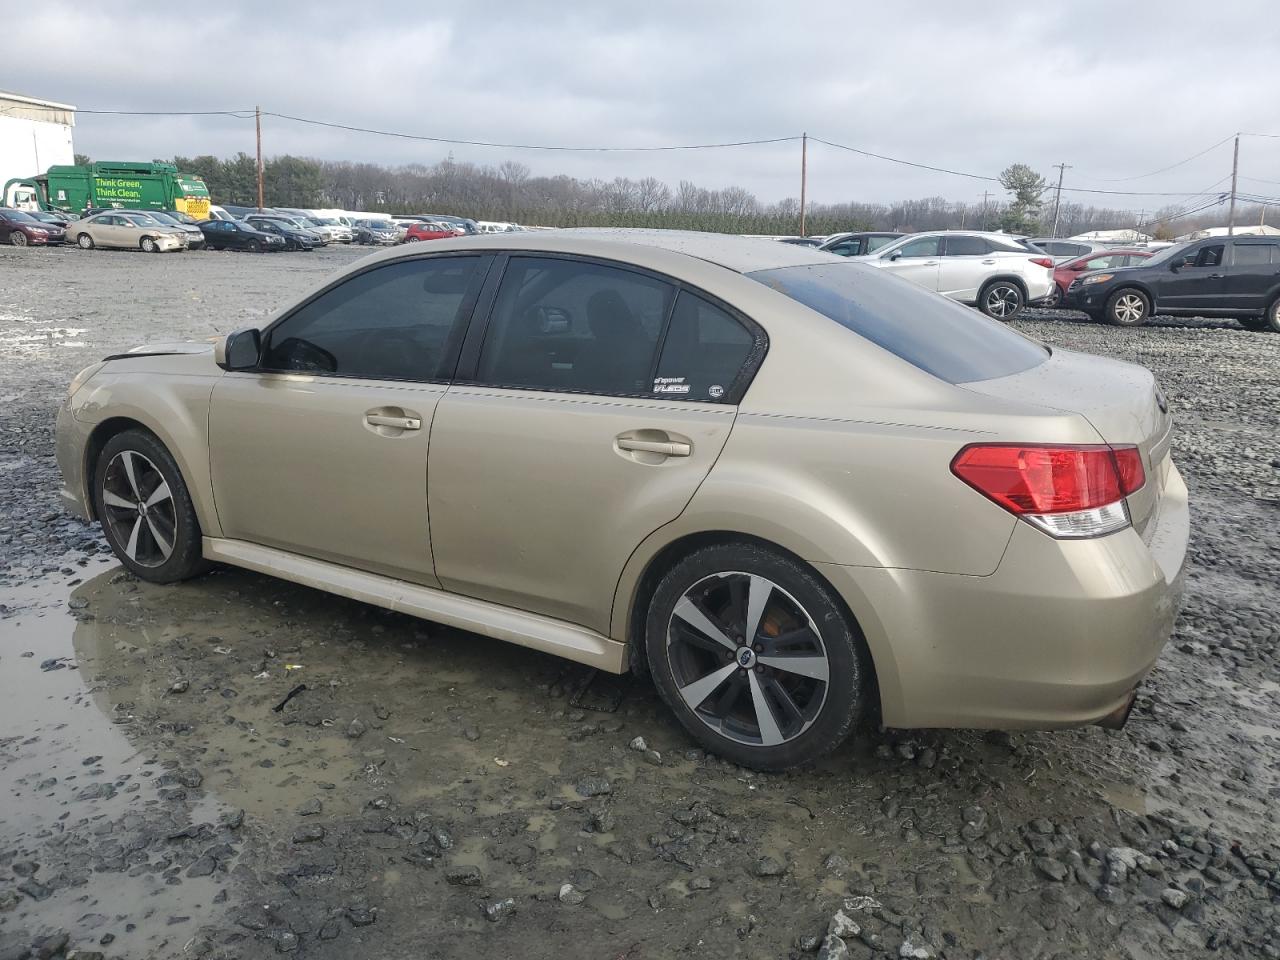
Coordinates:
1114	89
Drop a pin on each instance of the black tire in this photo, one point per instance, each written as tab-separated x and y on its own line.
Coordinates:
168	520
1001	299
1127	307
17	238
254	246
149	245
84	242
715	583
1271	319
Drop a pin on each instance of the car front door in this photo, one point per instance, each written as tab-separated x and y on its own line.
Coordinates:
1198	283
917	260
1252	275
573	440
322	450
966	263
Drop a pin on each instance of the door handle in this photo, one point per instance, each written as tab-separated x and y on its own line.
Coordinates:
667	448
988	261
399	423
929	263
1217	276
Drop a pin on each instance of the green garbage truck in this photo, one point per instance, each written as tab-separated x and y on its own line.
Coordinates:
100	186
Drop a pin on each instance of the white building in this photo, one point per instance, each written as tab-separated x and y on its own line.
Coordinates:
34	135
1242	230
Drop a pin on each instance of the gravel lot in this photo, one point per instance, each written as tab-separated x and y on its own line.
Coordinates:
434	793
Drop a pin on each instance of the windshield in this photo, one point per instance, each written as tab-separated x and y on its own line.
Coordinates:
20	216
1168	253
941	337
325	221
142	220
162	217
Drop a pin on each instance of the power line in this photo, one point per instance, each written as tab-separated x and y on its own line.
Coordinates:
1143	176
908	163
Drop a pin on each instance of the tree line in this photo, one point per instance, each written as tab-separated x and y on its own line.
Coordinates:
510	192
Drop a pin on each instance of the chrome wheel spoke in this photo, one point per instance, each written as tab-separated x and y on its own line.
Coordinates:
815	668
131	548
166	548
126	459
759	592
115	500
160	494
694	693
770	734
699	621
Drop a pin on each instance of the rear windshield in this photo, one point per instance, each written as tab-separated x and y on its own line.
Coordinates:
941	337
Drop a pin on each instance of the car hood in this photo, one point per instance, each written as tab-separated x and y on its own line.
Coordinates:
166	348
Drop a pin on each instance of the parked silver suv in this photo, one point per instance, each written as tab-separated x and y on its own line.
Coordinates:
992	271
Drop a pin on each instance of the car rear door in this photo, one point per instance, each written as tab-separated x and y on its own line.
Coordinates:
916	260
567	439
966	262
1252	275
322	450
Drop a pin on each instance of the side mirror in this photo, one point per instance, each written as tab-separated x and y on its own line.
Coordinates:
239	350
1177	265
895	256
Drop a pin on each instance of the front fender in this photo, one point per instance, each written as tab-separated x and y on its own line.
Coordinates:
174	408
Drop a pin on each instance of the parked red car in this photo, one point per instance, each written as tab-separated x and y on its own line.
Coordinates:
1065	272
20	229
427	231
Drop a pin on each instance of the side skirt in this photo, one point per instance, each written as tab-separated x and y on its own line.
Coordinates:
489	619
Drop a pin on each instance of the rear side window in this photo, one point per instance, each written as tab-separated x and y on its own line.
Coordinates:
402	321
875	243
941	337
1253	254
704	351
967	247
567	325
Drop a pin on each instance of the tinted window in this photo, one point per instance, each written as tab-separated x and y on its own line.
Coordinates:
1209	256
574	326
923	247
401	321
933	333
966	247
1253	254
875	243
847	248
704	351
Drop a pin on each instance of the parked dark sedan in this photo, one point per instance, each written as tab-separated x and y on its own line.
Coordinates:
236	235
858	244
1216	277
52	218
21	229
294	237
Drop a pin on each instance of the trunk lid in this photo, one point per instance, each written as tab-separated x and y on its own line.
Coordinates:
1121	401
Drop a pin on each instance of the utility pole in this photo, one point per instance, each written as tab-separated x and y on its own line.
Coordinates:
1235	169
804	176
1057	199
257	123
985	195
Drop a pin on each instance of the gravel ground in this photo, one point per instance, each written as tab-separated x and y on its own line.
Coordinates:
160	798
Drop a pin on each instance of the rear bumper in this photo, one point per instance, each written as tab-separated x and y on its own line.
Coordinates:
1060	635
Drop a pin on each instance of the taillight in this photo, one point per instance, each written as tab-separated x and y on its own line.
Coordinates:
1065	490
1042	261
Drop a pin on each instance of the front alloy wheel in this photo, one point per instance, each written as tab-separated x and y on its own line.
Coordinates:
139	511
747	659
18	238
1001	301
84	241
1128	308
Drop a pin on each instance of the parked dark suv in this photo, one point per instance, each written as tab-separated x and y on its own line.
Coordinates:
1217	277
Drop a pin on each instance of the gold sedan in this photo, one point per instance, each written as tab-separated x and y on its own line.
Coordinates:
126	231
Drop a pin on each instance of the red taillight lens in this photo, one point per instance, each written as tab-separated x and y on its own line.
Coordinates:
1042	261
1034	479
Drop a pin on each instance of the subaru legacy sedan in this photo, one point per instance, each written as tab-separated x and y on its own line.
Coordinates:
797	491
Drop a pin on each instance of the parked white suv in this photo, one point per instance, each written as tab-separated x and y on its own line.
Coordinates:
991	271
330	229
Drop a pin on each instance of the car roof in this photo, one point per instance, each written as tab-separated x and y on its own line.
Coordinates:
641	246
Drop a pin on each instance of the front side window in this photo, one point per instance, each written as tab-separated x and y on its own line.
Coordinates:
937	335
569	325
923	247
966	247
402	321
1209	256
704	351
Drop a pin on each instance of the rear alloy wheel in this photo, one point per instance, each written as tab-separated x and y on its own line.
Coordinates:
145	510
1128	308
84	241
254	246
1272	317
148	245
18	238
755	656
1001	300
412	239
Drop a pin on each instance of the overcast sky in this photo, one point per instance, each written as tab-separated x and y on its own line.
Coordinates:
1115	89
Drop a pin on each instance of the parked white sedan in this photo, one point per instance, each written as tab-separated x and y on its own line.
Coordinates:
991	271
129	231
